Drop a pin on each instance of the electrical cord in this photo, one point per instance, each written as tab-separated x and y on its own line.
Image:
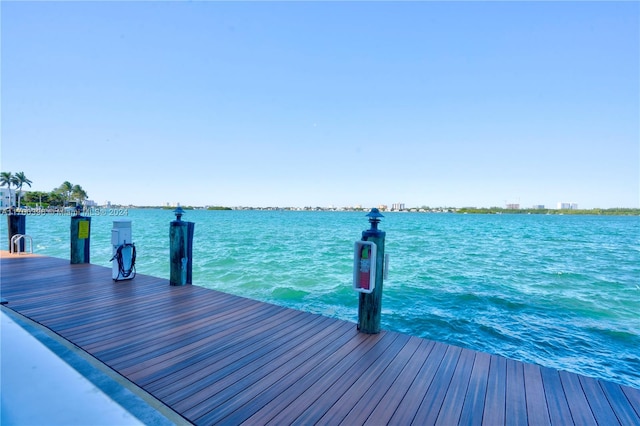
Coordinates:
125	273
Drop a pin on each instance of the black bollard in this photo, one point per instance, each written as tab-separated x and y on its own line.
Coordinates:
180	249
16	225
80	238
370	303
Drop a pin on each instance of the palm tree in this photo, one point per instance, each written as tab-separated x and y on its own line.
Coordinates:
19	179
78	193
6	179
66	189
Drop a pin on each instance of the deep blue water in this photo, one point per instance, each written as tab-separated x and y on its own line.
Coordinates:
559	291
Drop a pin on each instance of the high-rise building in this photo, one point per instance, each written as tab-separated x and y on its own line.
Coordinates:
567	206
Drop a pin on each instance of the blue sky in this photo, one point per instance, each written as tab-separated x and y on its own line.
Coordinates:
325	103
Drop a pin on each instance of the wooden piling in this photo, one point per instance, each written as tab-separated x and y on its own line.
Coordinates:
180	250
80	239
370	304
16	225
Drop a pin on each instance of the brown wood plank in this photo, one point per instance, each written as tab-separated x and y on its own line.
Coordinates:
377	387
453	403
151	364
433	399
292	383
195	383
265	381
311	385
389	404
406	411
285	356
314	405
363	384
222	359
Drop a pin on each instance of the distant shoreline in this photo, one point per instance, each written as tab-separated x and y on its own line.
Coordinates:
122	210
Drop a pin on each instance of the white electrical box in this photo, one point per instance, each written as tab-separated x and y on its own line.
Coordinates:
364	266
123	250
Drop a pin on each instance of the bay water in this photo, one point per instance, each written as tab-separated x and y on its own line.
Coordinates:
558	291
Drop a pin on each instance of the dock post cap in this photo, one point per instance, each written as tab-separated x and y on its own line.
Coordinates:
374	217
178	212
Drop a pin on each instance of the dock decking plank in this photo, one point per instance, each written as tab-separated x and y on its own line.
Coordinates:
495	403
537	411
310	385
222	359
283	357
578	404
374	387
627	412
473	408
406	411
388	405
557	404
598	402
516	405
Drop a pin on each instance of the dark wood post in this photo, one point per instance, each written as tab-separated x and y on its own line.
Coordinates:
80	238
16	225
180	250
370	304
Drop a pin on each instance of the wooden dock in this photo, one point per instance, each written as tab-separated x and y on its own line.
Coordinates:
221	359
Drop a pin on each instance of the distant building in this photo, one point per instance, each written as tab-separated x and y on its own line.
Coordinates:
382	207
513	206
7	198
538	207
567	206
397	206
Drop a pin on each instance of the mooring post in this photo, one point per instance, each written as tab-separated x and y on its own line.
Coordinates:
80	237
16	225
370	304
180	249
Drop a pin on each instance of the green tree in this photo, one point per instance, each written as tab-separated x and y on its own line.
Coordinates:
78	193
6	179
66	189
38	198
19	180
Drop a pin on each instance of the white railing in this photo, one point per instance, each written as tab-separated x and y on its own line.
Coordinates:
14	247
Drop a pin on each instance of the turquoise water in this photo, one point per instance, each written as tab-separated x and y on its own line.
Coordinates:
559	291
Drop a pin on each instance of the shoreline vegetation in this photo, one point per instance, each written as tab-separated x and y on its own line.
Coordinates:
69	200
122	210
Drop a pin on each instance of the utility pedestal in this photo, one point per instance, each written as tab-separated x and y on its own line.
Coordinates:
124	251
180	249
370	298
